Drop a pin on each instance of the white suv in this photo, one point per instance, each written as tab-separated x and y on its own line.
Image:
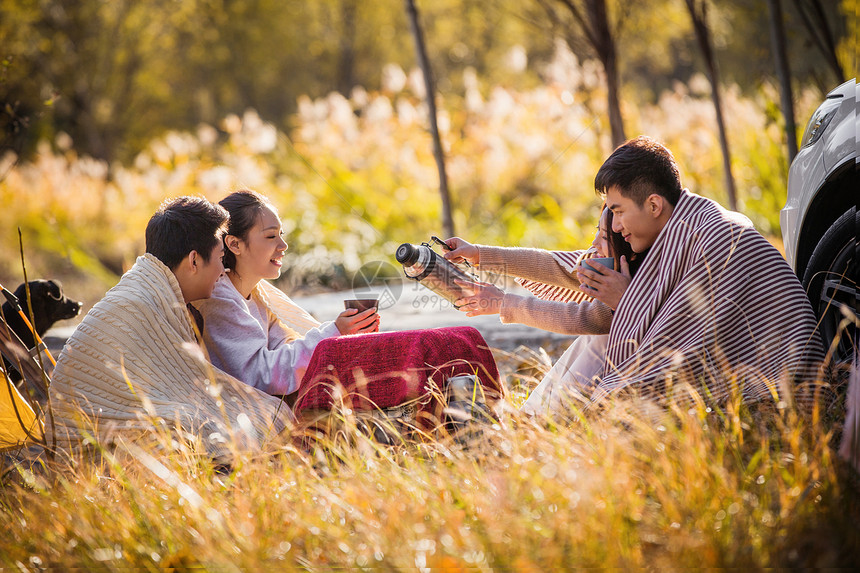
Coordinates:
820	219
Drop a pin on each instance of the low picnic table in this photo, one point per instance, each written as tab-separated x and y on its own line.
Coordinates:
379	371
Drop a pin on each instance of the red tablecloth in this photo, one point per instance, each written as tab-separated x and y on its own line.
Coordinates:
386	369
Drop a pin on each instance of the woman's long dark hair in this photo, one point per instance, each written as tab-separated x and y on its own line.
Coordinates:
618	247
245	207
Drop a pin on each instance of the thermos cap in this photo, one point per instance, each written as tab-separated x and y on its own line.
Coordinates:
406	254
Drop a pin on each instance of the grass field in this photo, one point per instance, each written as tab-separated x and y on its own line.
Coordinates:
674	488
678	487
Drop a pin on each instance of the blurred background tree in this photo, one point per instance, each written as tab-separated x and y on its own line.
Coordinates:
108	107
115	74
588	24
699	14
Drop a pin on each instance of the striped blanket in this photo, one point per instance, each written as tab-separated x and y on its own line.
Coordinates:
134	362
713	304
568	260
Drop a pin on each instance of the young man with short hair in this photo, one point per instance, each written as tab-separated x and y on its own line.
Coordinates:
713	302
134	364
185	234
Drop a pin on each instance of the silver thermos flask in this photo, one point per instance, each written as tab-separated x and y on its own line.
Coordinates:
423	264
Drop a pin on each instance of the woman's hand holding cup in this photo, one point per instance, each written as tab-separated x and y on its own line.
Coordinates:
605	284
360	316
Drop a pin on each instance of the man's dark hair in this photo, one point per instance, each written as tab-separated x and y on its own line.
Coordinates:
638	168
183	225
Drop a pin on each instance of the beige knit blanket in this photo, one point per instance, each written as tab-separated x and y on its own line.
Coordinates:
134	361
291	315
715	305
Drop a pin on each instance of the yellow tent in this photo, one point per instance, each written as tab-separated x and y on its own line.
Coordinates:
18	422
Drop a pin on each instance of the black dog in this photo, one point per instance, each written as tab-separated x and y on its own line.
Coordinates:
49	306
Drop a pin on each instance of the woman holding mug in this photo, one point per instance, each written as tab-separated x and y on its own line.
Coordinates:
252	330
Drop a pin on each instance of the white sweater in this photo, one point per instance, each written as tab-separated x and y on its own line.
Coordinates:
262	352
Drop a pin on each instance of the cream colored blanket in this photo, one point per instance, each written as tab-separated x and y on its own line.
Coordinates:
134	359
292	316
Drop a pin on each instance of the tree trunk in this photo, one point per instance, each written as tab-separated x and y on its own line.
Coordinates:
346	48
616	121
821	35
438	153
699	15
604	45
777	37
599	35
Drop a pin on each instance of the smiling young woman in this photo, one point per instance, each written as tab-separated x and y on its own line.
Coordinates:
257	250
252	330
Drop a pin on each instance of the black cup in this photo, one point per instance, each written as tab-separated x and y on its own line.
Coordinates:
361	304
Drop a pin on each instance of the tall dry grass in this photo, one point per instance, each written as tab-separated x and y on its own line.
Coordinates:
354	176
690	488
699	487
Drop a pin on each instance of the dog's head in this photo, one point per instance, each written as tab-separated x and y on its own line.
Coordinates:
49	303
